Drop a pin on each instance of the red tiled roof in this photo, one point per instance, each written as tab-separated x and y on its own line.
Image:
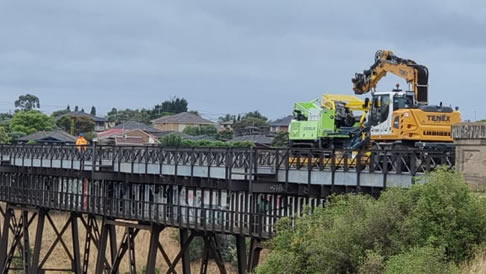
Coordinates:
110	132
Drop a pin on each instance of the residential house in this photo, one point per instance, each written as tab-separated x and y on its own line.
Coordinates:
179	122
100	122
132	125
55	137
226	125
129	137
281	125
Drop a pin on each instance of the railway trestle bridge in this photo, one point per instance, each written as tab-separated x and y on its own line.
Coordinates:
202	192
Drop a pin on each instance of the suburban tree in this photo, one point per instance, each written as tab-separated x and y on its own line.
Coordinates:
68	108
208	130
111	116
224	135
76	125
27	102
76	109
93	111
168	107
4	138
29	122
281	139
5	120
125	115
59	113
227	117
254	114
250	125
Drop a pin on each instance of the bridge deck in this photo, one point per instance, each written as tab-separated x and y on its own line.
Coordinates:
236	191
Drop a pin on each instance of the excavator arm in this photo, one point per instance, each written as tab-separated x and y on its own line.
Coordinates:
386	62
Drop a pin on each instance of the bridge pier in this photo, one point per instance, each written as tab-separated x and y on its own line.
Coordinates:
254	256
38	240
241	253
186	260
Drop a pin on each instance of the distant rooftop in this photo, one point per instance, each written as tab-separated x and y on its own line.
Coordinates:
182	118
282	121
257	139
230	122
54	136
84	114
136	125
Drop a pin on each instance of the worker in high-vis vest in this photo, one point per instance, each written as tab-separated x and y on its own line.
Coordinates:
81	142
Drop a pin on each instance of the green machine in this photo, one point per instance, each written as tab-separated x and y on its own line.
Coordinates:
330	124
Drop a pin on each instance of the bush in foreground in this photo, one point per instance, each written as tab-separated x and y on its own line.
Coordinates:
437	223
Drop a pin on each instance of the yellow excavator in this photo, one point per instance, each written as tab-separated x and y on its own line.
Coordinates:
403	118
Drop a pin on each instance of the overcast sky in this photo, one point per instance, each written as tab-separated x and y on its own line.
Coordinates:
232	56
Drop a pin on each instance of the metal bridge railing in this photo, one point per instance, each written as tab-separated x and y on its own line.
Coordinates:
386	161
257	219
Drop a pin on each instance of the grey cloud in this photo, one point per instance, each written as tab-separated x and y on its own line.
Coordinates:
231	56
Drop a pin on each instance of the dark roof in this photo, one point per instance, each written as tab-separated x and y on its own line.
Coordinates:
257	139
136	125
49	136
182	118
84	114
282	122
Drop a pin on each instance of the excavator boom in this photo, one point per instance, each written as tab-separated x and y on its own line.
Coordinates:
386	62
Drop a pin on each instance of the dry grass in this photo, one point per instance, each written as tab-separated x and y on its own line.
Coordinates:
60	259
476	265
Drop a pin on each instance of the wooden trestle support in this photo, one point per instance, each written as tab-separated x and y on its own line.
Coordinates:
17	253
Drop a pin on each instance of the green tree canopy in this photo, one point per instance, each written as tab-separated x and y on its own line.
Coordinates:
227	117
250	125
281	139
438	223
168	107
59	113
5	120
29	122
224	135
208	130
4	138
27	102
93	111
254	114
122	116
76	125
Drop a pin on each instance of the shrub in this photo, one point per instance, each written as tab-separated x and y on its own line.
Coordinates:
372	263
427	260
447	214
242	144
171	140
356	233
